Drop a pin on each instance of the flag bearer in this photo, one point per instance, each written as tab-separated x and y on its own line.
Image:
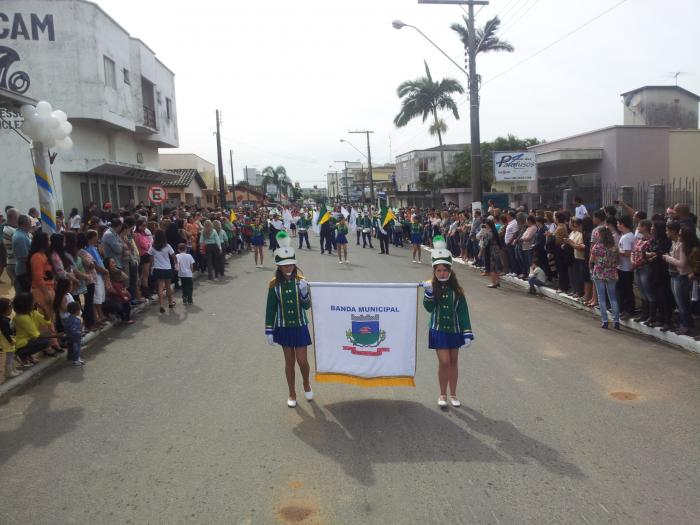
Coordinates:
286	324
450	327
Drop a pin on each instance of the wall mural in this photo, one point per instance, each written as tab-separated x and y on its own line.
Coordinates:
17	81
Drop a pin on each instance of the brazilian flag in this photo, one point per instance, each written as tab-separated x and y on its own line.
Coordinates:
323	215
386	216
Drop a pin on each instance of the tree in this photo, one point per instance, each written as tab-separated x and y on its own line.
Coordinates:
278	177
424	97
485	37
463	161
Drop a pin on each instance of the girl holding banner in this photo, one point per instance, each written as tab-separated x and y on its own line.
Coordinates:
286	324
450	327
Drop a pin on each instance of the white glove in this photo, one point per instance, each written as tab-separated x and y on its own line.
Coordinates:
467	341
428	285
303	287
270	339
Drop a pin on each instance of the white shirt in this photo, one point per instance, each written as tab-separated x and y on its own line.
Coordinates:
161	258
625	244
581	211
511	228
184	264
74	222
67	299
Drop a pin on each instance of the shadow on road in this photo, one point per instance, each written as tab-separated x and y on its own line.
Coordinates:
363	433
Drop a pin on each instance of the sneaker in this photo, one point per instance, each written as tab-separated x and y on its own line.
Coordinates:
81	360
13	373
77	362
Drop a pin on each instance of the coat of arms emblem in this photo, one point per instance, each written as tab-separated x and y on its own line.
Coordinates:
365	331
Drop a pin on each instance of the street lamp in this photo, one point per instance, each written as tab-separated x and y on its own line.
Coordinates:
473	97
353	146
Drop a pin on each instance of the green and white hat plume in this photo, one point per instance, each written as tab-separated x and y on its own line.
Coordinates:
285	253
441	255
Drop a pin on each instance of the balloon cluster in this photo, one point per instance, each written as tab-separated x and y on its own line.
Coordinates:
46	125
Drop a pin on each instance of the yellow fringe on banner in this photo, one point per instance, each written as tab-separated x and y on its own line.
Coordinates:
366	382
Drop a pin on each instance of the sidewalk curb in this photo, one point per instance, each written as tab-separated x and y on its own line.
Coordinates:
671	338
33	374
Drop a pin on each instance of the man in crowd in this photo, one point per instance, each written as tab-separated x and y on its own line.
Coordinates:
112	243
21	244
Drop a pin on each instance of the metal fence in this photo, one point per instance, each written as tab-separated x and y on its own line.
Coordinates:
655	197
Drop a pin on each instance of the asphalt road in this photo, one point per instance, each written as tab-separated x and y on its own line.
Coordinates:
182	418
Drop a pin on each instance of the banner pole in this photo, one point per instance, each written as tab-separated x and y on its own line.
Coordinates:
415	349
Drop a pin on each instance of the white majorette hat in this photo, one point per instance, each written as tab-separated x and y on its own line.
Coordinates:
441	255
285	253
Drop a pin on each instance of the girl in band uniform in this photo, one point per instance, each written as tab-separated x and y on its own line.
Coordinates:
258	241
416	238
450	327
288	298
341	240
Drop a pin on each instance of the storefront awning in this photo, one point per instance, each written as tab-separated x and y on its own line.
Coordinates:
568	156
11	100
128	170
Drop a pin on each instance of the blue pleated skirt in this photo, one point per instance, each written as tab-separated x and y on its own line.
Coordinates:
416	238
438	340
257	241
340	238
294	336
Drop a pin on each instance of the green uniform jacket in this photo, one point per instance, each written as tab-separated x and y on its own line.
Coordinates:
340	228
285	305
416	228
303	223
448	313
366	222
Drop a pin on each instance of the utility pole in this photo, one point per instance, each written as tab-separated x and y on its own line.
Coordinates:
222	182
369	164
233	183
347	189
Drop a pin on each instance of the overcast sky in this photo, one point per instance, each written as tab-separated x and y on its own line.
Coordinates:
291	78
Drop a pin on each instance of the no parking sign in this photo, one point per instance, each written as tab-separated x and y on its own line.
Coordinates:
157	194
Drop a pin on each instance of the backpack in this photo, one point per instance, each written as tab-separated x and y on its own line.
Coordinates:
637	255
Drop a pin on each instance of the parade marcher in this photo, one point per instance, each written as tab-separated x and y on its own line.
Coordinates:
341	240
326	238
288	298
258	241
303	225
450	327
382	235
416	239
366	226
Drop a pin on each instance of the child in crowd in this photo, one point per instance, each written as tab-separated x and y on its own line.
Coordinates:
32	329
7	340
537	277
73	328
118	298
185	267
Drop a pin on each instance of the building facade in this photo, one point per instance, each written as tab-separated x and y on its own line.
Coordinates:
412	164
670	106
119	98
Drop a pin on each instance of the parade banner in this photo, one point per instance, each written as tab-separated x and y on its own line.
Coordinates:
365	334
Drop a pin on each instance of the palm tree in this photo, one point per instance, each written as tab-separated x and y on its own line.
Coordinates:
276	176
485	37
424	97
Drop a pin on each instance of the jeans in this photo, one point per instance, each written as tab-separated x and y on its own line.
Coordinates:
601	286
187	285
625	291
73	349
680	287
512	262
304	236
642	276
533	282
32	347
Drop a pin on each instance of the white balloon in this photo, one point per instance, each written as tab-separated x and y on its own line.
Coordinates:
64	144
58	133
51	143
44	108
27	109
67	127
33	117
60	115
44	136
52	122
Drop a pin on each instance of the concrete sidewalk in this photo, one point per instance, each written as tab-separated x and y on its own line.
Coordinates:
672	338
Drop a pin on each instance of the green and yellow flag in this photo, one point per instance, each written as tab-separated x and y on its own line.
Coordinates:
323	215
386	216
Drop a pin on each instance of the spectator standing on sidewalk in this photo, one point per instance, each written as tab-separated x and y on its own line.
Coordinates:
185	269
603	266
683	241
112	244
100	275
73	328
8	232
21	246
625	282
562	252
642	268
212	248
163	263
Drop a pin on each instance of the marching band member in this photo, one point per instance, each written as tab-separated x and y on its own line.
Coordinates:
416	238
341	240
288	298
366	225
257	239
303	225
450	327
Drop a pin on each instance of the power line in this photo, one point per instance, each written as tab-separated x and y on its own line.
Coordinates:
555	42
515	22
508	8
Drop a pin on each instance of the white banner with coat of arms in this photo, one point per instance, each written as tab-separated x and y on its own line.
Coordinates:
365	334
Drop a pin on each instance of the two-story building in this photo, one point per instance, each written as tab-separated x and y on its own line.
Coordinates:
412	164
119	98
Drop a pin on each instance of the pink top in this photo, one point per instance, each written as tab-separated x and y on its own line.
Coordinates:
143	242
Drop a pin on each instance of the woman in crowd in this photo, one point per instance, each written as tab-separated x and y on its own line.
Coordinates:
642	268
62	264
223	238
88	264
564	254
117	300
603	267
494	249
661	309
527	241
341	240
143	238
211	242
32	330
81	274
288	293
586	229
450	327
683	241
42	275
74	220
163	260
575	242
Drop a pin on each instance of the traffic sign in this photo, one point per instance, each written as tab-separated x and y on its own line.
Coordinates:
157	194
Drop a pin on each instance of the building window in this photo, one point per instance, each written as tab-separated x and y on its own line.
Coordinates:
127	80
169	108
110	75
139	157
422	165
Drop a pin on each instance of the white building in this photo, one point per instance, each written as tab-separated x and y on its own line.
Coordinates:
119	98
253	176
411	164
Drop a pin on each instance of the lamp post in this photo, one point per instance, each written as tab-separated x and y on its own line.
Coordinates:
346	167
369	163
473	80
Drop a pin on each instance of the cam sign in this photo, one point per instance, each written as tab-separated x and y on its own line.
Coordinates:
514	166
